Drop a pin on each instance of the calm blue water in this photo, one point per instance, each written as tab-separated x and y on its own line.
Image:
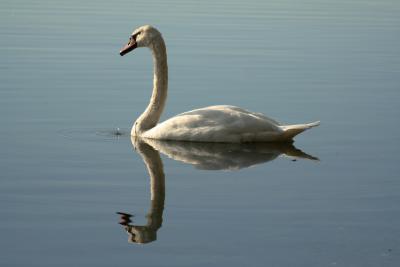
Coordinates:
64	90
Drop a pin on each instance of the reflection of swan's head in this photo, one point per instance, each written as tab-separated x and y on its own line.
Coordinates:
144	36
141	234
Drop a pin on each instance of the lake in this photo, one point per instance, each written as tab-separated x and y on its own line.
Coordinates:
77	191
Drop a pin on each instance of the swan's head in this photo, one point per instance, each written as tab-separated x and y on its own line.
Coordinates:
143	36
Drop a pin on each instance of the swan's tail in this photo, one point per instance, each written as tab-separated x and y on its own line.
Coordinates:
291	131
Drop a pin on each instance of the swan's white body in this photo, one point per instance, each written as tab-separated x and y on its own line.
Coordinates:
222	123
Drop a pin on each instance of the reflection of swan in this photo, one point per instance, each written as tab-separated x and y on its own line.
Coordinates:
210	156
226	124
148	232
222	156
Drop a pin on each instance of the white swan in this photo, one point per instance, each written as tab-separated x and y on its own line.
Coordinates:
223	123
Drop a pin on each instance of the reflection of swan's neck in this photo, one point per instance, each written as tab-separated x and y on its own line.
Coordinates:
152	114
157	189
155	168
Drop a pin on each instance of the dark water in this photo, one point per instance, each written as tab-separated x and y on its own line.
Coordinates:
64	91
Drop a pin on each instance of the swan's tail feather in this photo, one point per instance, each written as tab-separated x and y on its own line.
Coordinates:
291	131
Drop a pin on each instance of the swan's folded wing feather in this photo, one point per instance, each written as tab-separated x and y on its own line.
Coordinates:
214	124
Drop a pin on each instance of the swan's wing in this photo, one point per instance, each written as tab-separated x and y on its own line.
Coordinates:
215	124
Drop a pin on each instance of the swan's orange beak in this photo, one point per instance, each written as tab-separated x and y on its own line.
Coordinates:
129	47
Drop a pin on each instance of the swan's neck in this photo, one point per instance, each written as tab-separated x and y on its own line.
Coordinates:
152	114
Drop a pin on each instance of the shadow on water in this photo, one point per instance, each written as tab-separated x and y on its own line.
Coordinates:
208	156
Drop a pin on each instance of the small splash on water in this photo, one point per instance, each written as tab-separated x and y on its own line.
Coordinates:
92	134
118	132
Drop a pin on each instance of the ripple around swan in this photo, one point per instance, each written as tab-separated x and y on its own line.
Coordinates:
94	134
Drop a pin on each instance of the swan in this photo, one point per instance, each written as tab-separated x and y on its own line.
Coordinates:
221	123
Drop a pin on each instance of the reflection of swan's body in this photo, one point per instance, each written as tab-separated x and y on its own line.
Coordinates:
226	124
223	156
148	233
210	156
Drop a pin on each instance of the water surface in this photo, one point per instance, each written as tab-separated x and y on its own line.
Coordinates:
64	91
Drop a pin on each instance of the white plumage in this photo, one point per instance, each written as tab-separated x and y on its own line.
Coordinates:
221	123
